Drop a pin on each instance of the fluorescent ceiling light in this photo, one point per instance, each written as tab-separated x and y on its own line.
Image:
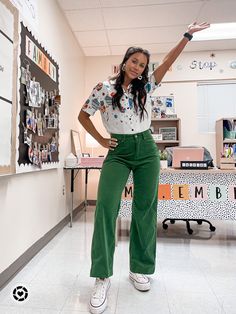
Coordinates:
216	32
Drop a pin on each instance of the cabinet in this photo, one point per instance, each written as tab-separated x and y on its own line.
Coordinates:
224	138
159	125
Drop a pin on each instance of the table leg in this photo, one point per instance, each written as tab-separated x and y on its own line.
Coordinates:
86	189
72	195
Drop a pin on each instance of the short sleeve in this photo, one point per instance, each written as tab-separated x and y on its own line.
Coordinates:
151	85
95	99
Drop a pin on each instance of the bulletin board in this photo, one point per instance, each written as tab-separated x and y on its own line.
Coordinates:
163	106
39	105
8	79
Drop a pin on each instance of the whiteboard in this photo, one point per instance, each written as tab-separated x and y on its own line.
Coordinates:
6	68
6	21
5	133
8	81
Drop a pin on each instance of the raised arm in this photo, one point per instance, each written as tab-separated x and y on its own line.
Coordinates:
176	51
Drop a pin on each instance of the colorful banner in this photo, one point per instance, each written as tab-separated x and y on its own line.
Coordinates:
198	192
181	192
38	57
164	192
232	192
185	192
218	193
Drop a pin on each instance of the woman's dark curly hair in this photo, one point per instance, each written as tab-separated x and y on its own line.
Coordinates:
138	86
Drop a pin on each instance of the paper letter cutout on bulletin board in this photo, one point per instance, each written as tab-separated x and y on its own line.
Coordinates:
232	192
180	191
164	192
218	193
199	192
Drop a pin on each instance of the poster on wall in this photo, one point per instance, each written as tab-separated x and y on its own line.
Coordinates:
39	106
163	106
8	74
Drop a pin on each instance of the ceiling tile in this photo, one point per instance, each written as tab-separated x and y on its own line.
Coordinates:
219	11
105	27
118	50
78	4
159	48
145	35
92	39
96	51
149	16
126	3
152	48
85	20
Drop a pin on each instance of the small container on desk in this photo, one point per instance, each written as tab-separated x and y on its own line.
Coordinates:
91	161
227	163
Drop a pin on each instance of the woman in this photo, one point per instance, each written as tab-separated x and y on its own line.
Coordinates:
125	106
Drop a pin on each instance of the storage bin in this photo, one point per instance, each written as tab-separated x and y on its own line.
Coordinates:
91	161
229	134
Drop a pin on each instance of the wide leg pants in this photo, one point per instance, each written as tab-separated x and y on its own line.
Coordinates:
138	153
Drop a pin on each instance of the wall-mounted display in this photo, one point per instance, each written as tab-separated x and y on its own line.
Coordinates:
39	104
162	106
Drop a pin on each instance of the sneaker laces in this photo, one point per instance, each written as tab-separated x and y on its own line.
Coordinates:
141	276
99	289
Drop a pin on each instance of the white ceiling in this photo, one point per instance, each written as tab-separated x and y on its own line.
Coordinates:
109	27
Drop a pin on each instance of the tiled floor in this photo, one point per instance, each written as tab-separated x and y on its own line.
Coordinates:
194	274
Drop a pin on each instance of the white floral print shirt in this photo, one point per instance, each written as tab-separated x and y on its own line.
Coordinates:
115	121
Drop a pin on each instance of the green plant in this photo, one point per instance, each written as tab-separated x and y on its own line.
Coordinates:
163	155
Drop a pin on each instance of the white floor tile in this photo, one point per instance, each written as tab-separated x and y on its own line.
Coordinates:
194	273
227	302
21	310
194	303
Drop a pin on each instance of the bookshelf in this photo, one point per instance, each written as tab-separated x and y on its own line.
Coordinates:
166	124
222	139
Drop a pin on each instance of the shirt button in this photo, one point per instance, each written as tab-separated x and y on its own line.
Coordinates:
136	135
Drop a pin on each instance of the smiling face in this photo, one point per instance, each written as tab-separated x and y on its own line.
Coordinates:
135	66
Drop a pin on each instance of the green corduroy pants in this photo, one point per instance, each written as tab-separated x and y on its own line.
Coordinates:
139	153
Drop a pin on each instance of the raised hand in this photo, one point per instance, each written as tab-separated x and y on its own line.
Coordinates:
195	27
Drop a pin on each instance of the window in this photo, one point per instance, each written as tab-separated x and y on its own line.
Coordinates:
215	101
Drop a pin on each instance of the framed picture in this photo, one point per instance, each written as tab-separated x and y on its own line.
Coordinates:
76	144
168	133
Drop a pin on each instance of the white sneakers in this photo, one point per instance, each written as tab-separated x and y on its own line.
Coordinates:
141	282
98	301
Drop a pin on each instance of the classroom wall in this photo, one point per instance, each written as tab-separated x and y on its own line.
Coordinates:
32	203
189	69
